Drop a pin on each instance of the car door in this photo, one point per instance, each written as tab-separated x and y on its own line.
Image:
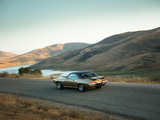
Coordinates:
71	80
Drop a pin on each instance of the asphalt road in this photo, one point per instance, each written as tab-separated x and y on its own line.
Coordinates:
134	100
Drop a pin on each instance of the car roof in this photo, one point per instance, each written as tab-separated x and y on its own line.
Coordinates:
79	72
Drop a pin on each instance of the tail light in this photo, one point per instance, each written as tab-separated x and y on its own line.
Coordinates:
104	80
92	82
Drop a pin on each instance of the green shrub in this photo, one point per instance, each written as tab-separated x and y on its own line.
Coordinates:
25	70
28	70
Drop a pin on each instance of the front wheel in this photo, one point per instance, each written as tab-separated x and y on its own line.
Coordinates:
59	85
81	88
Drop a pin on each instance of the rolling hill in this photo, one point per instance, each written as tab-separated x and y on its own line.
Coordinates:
40	54
6	55
126	51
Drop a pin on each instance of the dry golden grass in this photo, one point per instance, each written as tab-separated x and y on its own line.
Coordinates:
14	107
31	76
132	80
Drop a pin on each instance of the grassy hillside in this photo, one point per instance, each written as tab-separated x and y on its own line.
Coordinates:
6	55
126	51
40	54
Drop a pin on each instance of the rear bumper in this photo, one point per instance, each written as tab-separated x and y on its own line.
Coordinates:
96	84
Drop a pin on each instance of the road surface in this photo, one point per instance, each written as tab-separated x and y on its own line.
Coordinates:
141	101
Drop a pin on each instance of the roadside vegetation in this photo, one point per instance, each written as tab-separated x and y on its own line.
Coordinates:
127	76
135	76
30	76
13	107
26	72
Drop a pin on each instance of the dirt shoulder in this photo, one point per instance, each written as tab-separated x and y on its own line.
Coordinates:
14	107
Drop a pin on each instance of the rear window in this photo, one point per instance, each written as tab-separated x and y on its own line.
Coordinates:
88	75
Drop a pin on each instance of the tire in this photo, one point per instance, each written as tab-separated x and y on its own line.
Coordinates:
81	88
59	85
98	87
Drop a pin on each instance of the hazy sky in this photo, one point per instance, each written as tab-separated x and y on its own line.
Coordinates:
26	25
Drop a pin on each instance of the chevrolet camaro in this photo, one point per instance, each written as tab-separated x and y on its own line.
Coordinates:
81	79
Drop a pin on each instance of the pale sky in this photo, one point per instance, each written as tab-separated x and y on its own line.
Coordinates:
26	25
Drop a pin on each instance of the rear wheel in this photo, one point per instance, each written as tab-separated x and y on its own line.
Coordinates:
59	85
81	88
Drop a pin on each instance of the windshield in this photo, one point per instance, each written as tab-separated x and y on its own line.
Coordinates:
89	74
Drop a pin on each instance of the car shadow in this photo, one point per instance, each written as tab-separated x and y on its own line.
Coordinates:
75	89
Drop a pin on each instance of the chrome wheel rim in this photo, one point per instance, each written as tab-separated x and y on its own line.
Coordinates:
81	87
59	85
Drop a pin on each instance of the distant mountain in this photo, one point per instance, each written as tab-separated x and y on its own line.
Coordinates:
40	54
130	50
6	55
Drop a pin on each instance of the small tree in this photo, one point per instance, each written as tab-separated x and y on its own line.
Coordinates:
37	72
21	70
27	70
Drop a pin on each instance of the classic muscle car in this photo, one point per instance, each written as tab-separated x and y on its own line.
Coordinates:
81	79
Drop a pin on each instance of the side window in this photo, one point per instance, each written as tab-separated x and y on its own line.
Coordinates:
89	74
72	76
